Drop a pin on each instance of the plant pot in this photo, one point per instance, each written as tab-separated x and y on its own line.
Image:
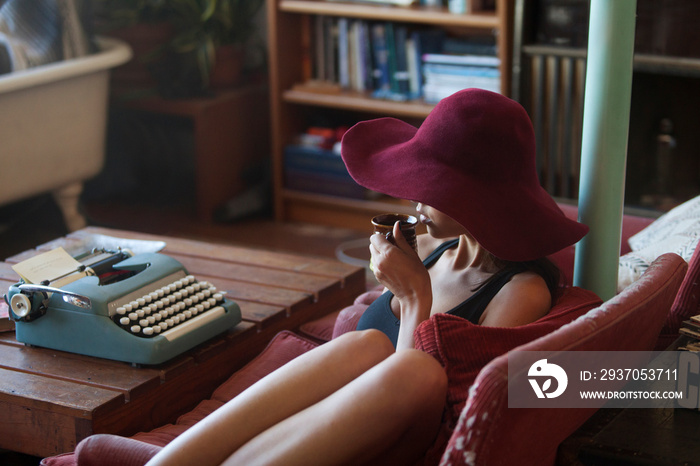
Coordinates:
228	66
144	39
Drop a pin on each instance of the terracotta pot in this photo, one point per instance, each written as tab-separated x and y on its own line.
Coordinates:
228	67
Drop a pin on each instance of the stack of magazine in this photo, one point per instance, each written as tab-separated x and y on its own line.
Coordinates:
446	74
691	328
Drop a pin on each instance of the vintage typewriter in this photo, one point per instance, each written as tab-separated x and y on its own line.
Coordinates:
141	309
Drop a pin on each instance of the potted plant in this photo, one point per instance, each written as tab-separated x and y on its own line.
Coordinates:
116	14
145	25
214	35
206	43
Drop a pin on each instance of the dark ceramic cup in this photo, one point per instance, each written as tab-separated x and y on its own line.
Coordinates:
384	224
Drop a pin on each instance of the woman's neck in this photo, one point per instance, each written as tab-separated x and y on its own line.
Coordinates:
470	254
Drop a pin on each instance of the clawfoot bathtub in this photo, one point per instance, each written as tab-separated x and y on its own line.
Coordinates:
53	122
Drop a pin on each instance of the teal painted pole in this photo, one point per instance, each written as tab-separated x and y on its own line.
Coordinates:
604	149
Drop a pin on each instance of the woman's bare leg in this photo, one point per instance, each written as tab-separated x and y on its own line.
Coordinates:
302	382
392	411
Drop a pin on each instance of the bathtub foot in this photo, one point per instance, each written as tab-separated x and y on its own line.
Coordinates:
67	199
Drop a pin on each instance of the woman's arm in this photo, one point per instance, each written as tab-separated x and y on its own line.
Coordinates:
400	270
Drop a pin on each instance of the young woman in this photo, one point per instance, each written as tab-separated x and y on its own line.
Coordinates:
369	396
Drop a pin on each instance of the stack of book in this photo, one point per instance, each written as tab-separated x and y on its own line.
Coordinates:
314	165
390	61
691	328
446	74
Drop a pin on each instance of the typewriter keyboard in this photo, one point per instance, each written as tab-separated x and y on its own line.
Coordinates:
171	309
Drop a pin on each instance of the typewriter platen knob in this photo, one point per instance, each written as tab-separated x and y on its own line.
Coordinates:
20	305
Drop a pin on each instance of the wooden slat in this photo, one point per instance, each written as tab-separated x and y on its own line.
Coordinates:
264	294
7	274
4	286
40	433
75	368
56	396
312	284
169	370
262	315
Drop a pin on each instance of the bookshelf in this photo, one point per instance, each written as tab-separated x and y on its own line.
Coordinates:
297	101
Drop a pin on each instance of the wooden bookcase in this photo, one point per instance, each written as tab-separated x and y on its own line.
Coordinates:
294	104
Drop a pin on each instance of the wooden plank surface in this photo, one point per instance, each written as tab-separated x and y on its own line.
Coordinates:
59	396
75	368
79	395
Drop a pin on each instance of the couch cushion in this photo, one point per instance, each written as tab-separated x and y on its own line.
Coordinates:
113	450
330	326
284	347
348	318
320	330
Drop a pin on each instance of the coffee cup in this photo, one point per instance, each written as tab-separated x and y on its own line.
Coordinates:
384	225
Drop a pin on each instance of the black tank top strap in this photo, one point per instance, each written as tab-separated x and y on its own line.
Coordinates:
473	307
438	251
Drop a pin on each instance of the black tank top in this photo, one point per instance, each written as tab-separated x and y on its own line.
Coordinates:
379	316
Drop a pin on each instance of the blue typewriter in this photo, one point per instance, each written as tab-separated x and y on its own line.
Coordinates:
141	309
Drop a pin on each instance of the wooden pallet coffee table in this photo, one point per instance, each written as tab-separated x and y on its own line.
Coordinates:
50	400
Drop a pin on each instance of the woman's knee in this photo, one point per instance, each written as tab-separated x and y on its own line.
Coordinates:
371	345
418	375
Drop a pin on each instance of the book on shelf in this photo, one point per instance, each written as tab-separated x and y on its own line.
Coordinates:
319	48
413	65
380	64
330	47
384	2
360	61
320	171
390	60
476	45
446	73
306	60
461	77
461	59
401	76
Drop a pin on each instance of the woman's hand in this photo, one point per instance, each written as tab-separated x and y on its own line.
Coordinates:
399	269
397	266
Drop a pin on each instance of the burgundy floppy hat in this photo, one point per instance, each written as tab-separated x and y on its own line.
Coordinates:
473	158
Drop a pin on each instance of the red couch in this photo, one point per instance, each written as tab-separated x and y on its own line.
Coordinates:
485	421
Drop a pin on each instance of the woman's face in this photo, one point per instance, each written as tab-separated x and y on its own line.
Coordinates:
439	225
